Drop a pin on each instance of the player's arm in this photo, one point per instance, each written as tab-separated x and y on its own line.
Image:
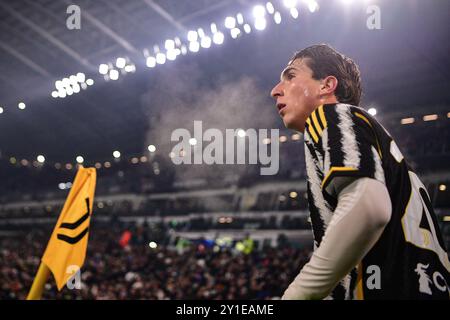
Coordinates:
363	210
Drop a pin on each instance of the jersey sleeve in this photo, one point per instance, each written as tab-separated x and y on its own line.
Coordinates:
350	147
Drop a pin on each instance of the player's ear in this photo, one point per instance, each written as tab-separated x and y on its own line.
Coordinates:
328	85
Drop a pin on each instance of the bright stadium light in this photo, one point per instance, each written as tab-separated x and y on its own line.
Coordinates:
169	44
218	38
116	154
205	42
160	58
103	69
277	17
200	32
62	93
69	91
65	82
213	28
130	68
192	141
55	94
294	13
270	8
171	55
89	82
241	133
83	86
230	22
247	28
151	148
61	186
80	159
21	105
372	111
194	46
240	18
442	187
192	36
59	85
312	5
1	110
73	79
81	77
430	117
76	88
235	33
260	24
120	62
151	62
113	74
183	50
40	158
259	11
153	245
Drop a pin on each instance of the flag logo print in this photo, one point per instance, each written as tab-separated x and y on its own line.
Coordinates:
74	226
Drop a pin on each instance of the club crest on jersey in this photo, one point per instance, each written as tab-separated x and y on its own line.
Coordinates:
425	280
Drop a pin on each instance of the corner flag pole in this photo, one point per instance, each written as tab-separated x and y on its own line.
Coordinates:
39	282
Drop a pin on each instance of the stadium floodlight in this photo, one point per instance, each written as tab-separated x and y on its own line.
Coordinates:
294	13
183	50
120	62
65	82
169	44
260	24
192	141
241	133
430	117
81	77
1	110
151	148
205	42
372	111
62	93
293	194
290	3
200	32
160	58
240	18
40	158
312	5
277	17
230	22
407	120
171	54
83	86
259	12
213	27
151	62
130	68
55	94
113	74
270	8
442	187
153	245
80	159
235	32
247	28
89	82
76	88
73	79
69	91
21	105
194	46
218	38
59	85
116	154
103	68
192	36
61	186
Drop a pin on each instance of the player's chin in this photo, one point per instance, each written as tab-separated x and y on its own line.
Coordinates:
292	123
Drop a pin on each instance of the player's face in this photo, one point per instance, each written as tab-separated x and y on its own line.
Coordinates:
297	94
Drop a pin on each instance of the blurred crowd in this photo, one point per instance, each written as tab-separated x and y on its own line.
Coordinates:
113	270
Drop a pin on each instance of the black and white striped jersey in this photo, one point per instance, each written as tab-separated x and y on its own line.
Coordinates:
409	261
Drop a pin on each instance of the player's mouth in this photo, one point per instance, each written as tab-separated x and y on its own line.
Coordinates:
280	107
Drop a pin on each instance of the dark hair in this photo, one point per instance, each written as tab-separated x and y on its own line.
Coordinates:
325	61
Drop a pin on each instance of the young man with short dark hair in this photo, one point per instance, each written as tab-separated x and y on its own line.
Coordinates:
375	232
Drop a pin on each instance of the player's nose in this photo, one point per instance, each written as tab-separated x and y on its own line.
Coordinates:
277	91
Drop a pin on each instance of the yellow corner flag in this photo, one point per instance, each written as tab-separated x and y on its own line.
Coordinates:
67	245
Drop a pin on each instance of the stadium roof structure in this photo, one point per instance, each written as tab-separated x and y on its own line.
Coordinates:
404	64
